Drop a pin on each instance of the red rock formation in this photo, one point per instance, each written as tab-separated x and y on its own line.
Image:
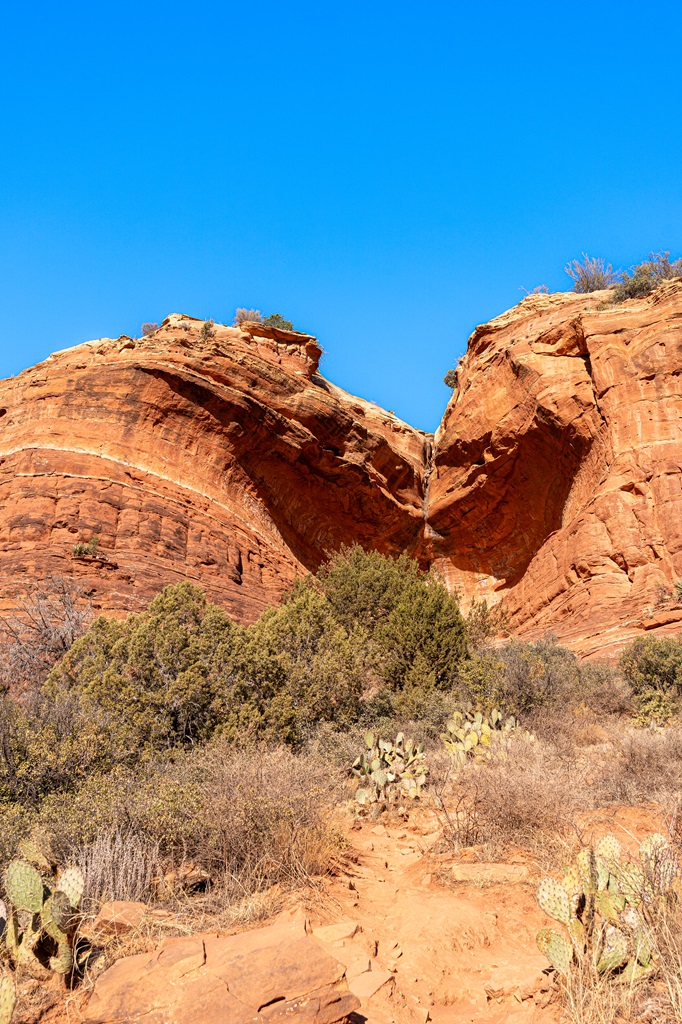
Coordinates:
225	460
554	484
557	474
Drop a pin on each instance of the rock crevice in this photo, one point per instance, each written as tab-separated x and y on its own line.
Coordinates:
553	482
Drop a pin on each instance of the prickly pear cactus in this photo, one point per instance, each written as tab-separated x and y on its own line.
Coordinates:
8	997
42	917
389	771
72	884
602	906
472	737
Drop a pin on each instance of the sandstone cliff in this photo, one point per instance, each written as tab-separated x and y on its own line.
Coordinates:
557	473
554	481
229	461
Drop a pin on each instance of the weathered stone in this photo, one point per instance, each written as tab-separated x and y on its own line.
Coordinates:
364	986
557	472
118	917
269	973
554	481
229	462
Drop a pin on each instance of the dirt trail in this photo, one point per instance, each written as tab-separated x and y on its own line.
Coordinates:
443	941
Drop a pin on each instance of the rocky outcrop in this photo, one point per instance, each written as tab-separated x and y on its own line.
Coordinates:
554	482
268	974
225	459
557	474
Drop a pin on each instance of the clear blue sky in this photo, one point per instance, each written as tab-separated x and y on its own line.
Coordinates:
386	175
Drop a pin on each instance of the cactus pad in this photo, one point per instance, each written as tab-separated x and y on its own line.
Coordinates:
588	870
571	881
609	906
62	963
556	948
631	882
554	900
615	951
608	850
31	852
24	886
8	997
72	884
58	917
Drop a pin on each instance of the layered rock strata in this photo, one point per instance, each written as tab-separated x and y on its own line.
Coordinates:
554	482
226	460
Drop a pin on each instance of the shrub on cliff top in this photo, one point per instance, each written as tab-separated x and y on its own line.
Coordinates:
591	274
276	320
647	276
243	315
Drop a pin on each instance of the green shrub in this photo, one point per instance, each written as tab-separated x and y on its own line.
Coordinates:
591	274
207	332
364	630
450	379
647	276
278	321
87	548
653	668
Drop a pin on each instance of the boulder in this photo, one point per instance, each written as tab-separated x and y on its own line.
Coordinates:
270	973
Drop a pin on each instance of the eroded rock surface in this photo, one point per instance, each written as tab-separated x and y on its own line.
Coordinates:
554	482
228	461
268	974
557	475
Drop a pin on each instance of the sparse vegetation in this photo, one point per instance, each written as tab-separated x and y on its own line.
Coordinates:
647	276
278	321
243	315
149	328
207	332
450	379
87	548
177	755
591	274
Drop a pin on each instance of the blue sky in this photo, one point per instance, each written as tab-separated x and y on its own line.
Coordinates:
385	175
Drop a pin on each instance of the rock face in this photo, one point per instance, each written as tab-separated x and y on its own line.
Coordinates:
554	482
557	473
225	460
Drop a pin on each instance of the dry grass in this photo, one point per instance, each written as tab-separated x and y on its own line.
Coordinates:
525	799
119	865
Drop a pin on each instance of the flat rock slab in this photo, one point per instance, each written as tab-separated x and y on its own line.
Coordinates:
269	974
482	874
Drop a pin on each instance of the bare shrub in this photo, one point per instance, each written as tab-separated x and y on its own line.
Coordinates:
51	615
257	818
644	765
250	818
525	799
149	328
243	316
118	865
591	274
